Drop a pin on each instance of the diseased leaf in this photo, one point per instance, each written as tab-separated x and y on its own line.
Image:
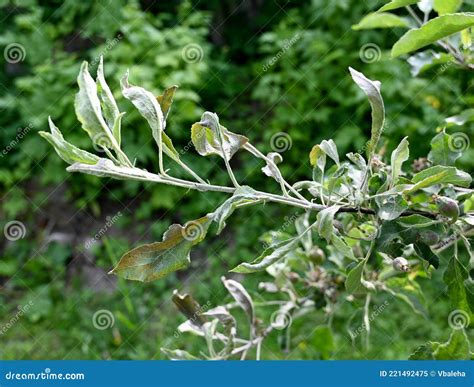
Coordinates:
394	4
166	100
442	150
436	29
209	137
68	152
325	222
238	292
269	256
270	169
88	110
178	354
446	6
391	207
110	109
189	307
380	20
372	90
149	108
154	261
399	156
329	147
243	195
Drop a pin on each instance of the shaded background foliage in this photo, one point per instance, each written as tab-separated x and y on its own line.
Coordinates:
265	68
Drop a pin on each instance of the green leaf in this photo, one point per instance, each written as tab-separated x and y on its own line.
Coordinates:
110	109
372	90
456	348
442	150
391	207
154	261
380	20
209	137
456	277
399	156
424	252
394	4
440	174
68	152
436	29
325	222
269	256
88	110
166	100
243	195
355	283
241	296
446	6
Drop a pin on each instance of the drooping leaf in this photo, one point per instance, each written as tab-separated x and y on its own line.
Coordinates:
436	29
442	150
325	222
166	100
88	110
189	307
243	195
149	108
439	174
372	90
110	109
209	137
446	6
399	156
156	260
394	4
269	256
230	328
380	20
269	169
241	296
68	152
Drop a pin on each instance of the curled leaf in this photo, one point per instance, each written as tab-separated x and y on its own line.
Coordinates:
189	307
238	292
166	100
109	106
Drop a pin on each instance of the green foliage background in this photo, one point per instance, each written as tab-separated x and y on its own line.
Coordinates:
306	93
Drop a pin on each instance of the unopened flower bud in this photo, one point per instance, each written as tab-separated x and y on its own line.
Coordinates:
447	207
400	264
316	255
